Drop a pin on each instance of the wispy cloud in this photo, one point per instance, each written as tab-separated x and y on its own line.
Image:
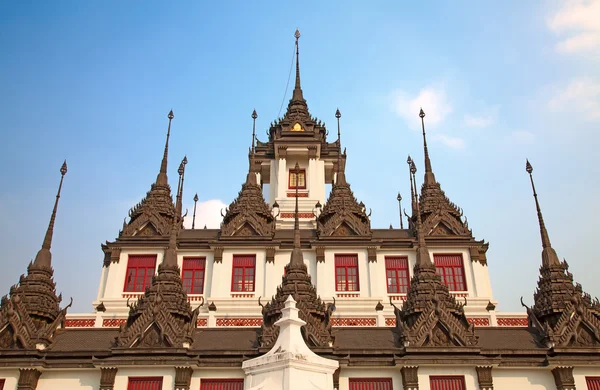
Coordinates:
580	96
478	122
207	213
432	99
451	142
578	24
521	137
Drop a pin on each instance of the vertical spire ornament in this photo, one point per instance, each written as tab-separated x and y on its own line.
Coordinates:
194	216
181	171
399	198
44	257
162	179
297	36
338	115
413	202
429	177
254	116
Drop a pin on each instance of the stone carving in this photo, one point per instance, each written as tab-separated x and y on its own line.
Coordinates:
484	377
28	378
107	378
410	378
563	377
183	378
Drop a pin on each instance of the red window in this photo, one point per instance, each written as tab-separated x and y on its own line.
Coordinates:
145	383
299	181
140	269
593	382
447	383
450	268
346	273
222	384
396	272
193	274
370	383
242	278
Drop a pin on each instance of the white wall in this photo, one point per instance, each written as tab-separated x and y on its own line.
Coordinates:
11	377
581	373
69	379
527	379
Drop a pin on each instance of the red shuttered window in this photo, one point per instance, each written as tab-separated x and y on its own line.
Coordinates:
346	273
450	268
593	382
242	278
2	384
192	274
140	269
145	383
447	383
370	384
222	384
396	273
299	181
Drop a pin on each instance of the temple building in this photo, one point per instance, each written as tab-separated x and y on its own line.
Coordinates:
298	291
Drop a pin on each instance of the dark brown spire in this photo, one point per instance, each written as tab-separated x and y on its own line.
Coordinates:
194	216
549	255
423	259
429	177
162	179
297	95
254	116
413	195
44	257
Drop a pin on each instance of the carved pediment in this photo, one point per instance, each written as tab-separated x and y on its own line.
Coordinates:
246	230
148	231
440	216
154	215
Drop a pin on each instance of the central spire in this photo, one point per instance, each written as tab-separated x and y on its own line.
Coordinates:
429	177
297	95
162	179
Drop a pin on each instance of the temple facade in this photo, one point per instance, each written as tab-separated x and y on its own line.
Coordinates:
298	291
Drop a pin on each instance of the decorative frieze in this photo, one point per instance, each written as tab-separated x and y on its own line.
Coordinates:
410	379
300	215
511	321
353	321
484	377
28	378
107	378
80	323
113	322
253	322
183	378
563	377
479	321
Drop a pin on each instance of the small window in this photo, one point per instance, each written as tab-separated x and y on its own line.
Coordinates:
370	383
300	181
192	274
450	268
140	269
221	384
346	273
593	382
242	279
447	383
396	273
145	383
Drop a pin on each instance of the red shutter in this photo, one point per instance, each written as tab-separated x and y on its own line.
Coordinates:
346	260
447	383
244	260
140	269
222	384
145	383
370	384
396	262
452	260
593	382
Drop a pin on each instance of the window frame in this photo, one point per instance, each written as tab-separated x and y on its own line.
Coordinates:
220	382
2	383
194	270
374	383
147	281
396	268
291	173
436	385
338	257
592	381
243	275
442	270
131	381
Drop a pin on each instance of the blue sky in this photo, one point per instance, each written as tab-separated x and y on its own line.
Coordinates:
93	82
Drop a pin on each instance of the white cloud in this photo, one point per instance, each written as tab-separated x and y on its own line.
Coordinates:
478	122
578	22
207	213
432	99
580	96
521	137
451	142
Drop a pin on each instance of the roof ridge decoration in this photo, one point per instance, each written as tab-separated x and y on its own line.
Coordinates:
342	214
162	317
249	215
154	214
430	316
29	318
562	314
440	216
297	282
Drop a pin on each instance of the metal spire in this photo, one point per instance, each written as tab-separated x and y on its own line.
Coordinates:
429	177
44	257
162	179
338	115
549	256
411	163
181	171
194	217
399	198
297	94
254	116
423	260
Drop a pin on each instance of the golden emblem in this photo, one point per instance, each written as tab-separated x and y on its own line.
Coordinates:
297	127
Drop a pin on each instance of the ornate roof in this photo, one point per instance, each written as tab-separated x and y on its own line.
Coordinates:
562	314
154	214
248	215
343	215
297	282
162	317
32	314
430	316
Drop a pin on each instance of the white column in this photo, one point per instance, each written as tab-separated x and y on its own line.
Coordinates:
313	177
282	179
